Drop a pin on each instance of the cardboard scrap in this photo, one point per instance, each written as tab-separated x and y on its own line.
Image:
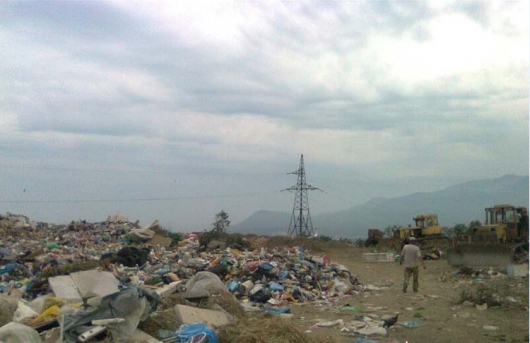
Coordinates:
63	287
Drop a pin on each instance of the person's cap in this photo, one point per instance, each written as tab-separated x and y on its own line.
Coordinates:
412	238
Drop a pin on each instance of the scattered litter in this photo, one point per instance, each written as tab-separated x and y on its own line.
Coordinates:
490	327
364	340
372	330
412	325
328	324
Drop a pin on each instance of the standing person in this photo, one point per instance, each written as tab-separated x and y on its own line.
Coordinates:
522	227
411	256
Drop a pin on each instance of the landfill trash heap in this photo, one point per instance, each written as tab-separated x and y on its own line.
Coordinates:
85	282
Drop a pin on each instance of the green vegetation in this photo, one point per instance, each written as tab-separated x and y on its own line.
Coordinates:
325	238
221	222
218	233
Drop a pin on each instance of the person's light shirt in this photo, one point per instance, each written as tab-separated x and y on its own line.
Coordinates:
411	255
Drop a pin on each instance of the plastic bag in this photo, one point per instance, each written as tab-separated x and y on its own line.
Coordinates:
194	333
23	312
341	287
206	281
18	333
233	286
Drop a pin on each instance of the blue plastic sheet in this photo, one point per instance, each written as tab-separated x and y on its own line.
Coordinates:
190	333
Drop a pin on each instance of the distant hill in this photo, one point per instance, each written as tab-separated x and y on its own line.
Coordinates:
460	203
264	223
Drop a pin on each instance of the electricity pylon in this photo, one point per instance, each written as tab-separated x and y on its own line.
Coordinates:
301	224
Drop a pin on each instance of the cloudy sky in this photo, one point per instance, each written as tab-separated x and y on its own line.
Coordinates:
177	110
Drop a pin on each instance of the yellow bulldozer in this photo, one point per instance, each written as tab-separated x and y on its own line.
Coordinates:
427	232
426	226
503	223
502	240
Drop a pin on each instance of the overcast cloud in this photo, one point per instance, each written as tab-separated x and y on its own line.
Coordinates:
176	110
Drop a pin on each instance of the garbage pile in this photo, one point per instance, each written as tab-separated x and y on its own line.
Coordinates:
92	282
284	277
484	288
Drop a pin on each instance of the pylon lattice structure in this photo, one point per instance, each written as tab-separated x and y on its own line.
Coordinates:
301	224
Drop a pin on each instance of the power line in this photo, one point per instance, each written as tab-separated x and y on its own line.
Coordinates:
129	171
338	193
73	201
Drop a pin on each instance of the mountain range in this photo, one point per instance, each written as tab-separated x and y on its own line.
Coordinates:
458	204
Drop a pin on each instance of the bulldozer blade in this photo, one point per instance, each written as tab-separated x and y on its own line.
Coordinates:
480	255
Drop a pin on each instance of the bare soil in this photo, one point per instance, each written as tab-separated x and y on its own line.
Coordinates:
438	304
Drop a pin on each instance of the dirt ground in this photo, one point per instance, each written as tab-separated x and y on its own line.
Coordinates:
437	305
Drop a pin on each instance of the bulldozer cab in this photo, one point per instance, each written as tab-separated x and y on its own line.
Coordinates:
428	224
504	221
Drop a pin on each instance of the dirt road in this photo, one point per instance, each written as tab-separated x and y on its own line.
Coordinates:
437	305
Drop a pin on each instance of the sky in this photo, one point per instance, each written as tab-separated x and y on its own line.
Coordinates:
176	110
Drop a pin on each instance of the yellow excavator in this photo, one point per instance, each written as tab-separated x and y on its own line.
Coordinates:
502	240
